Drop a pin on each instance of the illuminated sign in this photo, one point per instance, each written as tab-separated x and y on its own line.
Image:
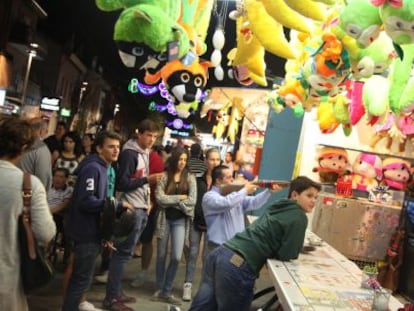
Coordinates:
180	133
2	96
9	108
50	103
64	112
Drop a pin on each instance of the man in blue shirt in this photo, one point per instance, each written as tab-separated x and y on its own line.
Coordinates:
224	215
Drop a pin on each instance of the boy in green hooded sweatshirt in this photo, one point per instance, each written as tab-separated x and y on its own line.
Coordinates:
230	271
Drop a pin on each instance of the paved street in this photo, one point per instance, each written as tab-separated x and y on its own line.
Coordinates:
50	297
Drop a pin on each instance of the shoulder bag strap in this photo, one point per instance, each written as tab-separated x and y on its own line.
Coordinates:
26	219
27	193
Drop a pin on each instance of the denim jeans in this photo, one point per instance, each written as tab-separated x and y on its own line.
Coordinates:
122	254
195	241
165	280
224	286
81	278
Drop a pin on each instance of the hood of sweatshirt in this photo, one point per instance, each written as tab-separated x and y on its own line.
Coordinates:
37	144
90	158
282	205
133	145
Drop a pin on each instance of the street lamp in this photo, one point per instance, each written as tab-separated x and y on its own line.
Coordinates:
32	54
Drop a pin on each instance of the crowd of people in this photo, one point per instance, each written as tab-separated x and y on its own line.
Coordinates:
175	197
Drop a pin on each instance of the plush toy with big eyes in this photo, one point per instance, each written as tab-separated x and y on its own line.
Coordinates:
361	21
332	163
143	30
184	82
396	173
375	59
366	171
398	19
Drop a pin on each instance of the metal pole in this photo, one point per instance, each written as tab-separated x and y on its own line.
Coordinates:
26	78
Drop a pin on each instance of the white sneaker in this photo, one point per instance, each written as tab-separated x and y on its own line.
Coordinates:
173	308
103	278
156	296
139	280
187	291
87	306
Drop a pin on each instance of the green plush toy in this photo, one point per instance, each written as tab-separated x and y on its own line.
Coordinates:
375	59
375	98
152	24
341	113
360	20
399	21
401	94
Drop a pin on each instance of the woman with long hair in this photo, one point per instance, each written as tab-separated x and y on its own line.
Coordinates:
16	137
70	156
176	195
199	227
87	143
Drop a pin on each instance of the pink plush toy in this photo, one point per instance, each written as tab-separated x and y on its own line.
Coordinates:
356	108
396	173
367	170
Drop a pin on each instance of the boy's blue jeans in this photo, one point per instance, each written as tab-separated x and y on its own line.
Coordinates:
225	284
122	254
83	268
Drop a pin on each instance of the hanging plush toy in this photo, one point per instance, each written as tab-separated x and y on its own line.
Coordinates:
375	98
236	115
268	31
326	117
332	163
397	17
144	29
184	82
374	59
286	16
361	21
396	173
248	59
341	113
366	171
382	131
222	121
401	94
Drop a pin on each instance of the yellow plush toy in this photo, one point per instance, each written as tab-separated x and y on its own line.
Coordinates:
237	113
286	16
267	30
250	53
222	121
326	118
308	8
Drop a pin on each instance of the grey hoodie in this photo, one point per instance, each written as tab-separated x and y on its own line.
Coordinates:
38	161
132	175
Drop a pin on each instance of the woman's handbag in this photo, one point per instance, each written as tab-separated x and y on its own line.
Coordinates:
35	269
